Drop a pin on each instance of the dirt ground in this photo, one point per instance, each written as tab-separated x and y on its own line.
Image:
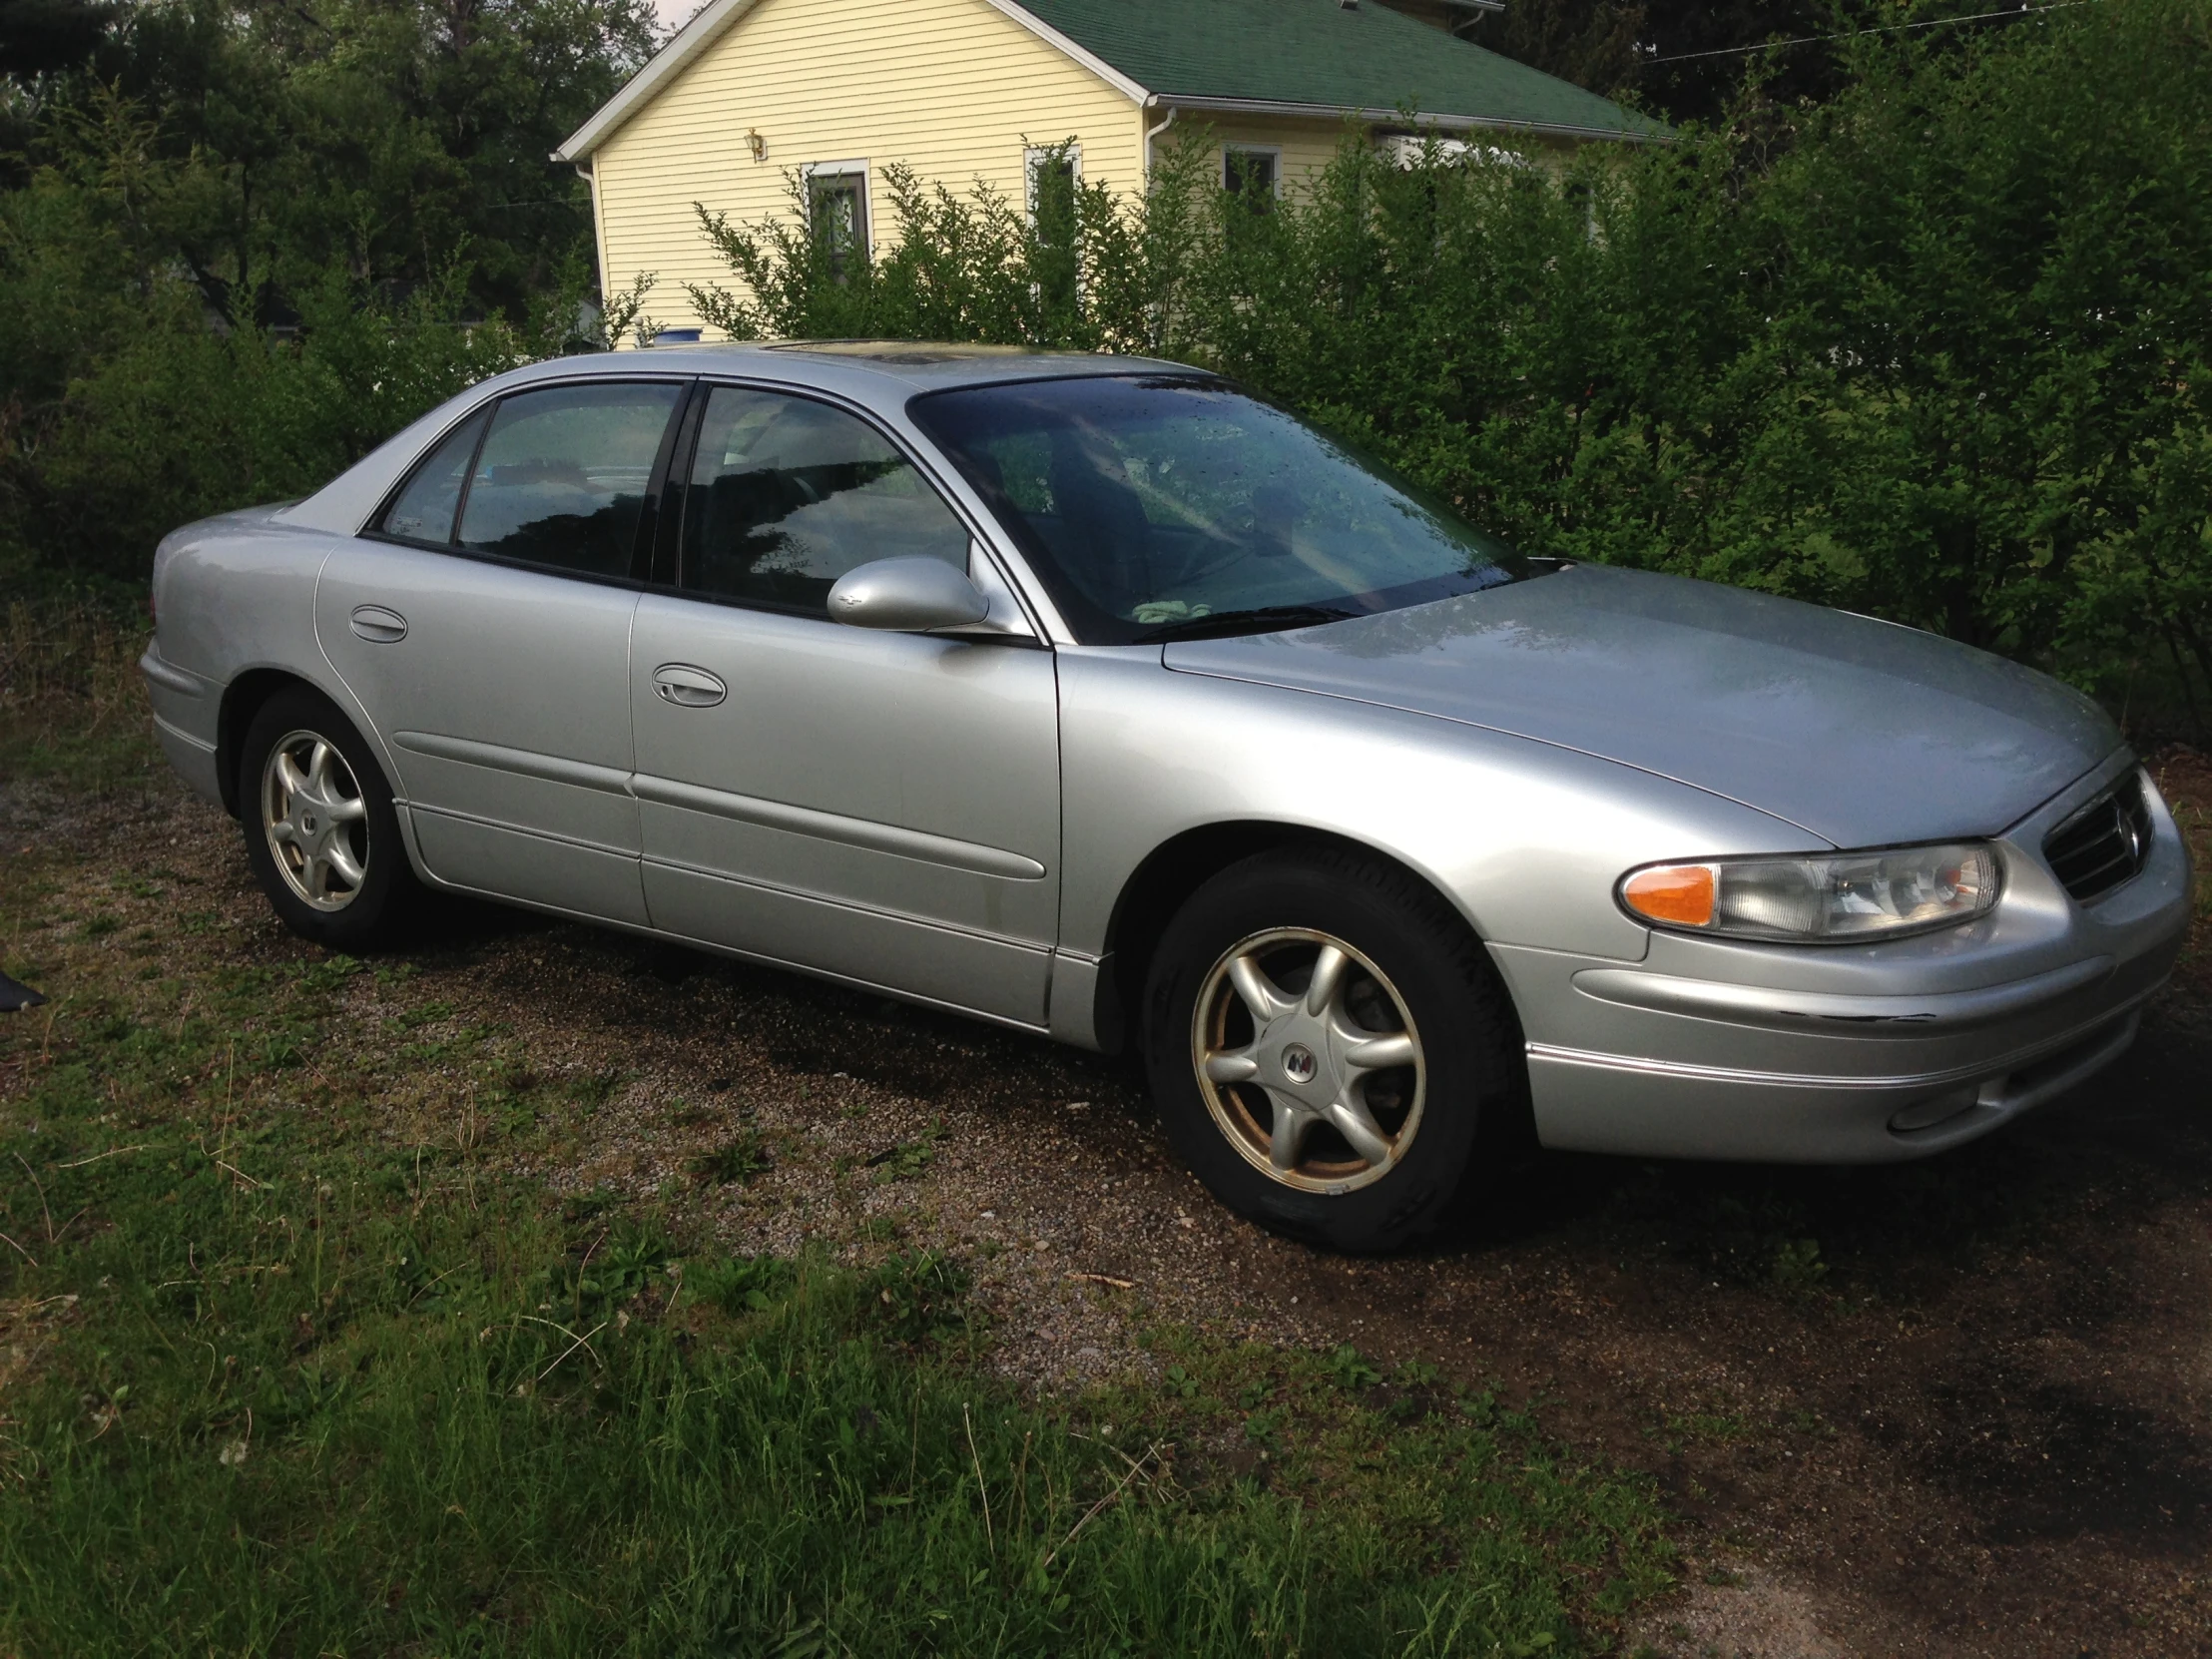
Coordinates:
1959	1408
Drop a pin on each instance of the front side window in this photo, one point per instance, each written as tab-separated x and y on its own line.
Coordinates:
1157	505
562	475
787	494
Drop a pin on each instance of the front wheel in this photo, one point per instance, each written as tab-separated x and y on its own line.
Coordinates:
320	832
1331	1048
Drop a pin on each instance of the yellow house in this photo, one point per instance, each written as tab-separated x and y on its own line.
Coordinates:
750	91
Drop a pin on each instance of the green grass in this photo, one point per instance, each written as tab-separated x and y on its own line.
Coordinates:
291	1367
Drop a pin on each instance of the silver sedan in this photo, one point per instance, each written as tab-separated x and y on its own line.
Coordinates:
1095	698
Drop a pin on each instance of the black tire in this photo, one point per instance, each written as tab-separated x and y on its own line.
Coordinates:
1466	1100
376	910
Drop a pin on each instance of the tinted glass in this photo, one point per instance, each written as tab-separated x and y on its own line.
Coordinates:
562	476
424	509
786	496
1156	504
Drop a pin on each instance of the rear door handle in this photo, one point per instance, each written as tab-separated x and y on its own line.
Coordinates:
688	687
380	626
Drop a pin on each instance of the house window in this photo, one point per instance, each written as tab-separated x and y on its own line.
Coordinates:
1252	172
836	211
1052	172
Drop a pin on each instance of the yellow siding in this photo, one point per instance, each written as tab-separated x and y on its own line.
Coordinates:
1306	145
952	88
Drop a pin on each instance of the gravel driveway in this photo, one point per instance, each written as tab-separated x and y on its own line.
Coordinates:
1961	1407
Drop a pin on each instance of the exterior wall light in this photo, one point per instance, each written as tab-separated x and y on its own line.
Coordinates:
757	144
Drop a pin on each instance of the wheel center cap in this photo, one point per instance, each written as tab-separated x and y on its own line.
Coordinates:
306	823
1299	1064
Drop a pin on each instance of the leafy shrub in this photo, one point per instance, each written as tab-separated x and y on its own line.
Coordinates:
1938	351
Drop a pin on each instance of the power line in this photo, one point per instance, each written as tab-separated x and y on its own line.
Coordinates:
1853	34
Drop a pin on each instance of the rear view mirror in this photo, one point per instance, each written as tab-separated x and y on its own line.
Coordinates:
908	596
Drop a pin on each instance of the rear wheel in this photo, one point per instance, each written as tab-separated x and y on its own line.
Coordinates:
320	832
1331	1048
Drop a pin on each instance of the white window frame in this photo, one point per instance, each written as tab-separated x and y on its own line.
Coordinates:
1032	155
1273	153
847	170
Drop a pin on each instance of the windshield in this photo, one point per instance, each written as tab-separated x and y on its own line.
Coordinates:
1158	505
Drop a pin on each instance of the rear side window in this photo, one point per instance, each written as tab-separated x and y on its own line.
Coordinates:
424	509
786	495
562	475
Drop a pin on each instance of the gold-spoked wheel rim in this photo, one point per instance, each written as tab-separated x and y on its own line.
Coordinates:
1308	1060
315	820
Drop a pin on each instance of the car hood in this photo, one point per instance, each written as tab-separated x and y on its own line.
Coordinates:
1861	732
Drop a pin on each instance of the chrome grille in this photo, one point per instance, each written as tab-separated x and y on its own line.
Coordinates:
2104	844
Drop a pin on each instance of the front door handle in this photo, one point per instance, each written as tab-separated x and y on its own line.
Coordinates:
380	626
688	687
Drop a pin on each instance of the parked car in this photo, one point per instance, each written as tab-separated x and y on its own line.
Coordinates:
1095	698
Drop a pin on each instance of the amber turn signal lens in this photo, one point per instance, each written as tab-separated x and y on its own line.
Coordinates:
1681	895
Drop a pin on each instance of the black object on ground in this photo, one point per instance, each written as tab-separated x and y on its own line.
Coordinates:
14	996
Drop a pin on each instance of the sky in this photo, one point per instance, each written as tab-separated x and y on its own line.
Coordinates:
674	14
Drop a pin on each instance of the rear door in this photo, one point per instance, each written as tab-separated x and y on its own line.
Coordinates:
881	807
484	624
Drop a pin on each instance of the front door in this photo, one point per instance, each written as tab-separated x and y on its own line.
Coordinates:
485	627
879	807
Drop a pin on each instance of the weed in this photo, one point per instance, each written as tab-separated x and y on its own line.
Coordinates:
743	1284
1705	1425
614	1268
329	975
1351	1372
906	1159
919	1297
737	1160
1798	1265
581	1209
1262	1428
588	1091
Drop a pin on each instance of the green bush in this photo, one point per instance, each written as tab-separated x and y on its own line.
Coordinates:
1938	350
130	404
178	422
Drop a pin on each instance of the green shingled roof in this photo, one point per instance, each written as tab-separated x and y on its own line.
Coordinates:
1320	53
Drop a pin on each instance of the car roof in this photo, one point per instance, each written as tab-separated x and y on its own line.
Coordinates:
914	365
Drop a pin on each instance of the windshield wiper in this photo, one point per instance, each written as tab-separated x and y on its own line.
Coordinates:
1260	619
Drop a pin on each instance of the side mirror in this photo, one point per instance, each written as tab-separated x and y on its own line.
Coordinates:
906	596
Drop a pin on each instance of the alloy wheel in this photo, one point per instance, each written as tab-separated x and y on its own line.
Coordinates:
1308	1058
315	819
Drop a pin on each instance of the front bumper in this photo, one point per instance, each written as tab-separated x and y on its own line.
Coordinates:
1854	1055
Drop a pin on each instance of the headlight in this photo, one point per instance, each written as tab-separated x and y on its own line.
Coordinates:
1842	898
